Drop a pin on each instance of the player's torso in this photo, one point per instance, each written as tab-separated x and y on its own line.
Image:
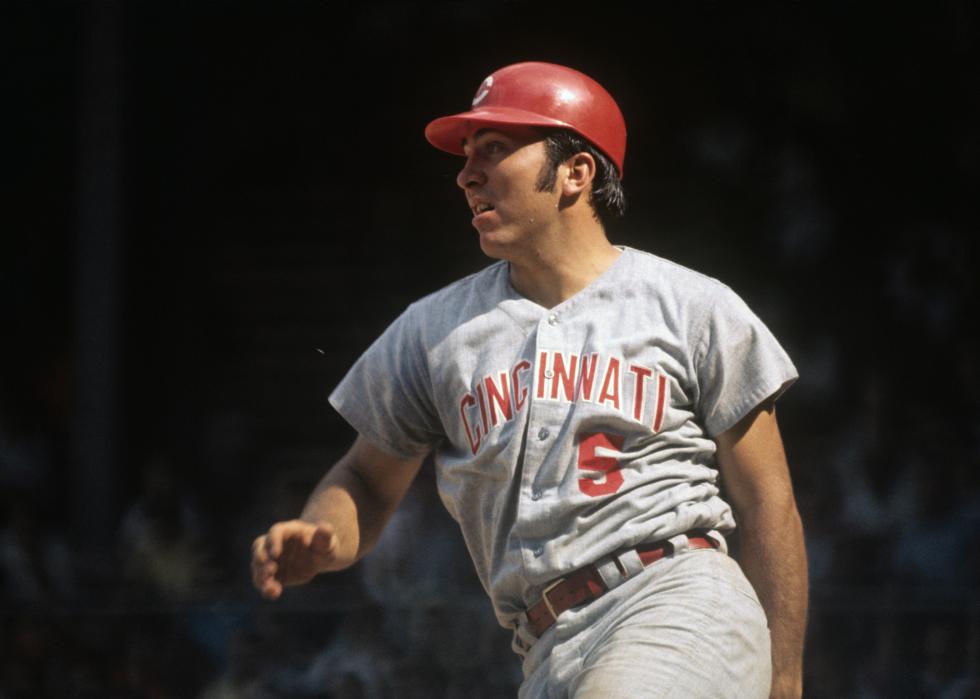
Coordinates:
572	431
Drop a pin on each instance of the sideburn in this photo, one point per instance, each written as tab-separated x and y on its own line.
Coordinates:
547	176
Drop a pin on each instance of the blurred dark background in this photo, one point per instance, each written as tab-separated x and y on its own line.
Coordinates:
212	208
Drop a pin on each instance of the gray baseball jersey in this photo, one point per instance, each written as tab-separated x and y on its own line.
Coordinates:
563	434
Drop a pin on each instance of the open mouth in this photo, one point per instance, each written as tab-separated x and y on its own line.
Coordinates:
482	208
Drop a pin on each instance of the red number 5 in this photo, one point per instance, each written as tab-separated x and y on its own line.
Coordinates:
588	461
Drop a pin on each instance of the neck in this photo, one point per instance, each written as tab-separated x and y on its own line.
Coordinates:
558	268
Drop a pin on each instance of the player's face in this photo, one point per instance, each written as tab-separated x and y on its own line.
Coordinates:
499	179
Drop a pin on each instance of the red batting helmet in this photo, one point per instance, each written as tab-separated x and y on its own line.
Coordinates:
538	94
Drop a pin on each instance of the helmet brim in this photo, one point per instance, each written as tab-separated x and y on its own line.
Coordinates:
448	133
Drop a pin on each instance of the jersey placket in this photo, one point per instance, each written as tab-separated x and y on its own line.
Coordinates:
538	506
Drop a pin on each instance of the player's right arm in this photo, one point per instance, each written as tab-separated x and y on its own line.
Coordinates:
342	520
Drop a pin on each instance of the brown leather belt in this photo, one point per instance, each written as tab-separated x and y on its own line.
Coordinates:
585	584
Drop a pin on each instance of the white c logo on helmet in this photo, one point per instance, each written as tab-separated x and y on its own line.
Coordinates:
483	91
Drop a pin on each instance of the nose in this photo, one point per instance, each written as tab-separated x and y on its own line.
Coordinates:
471	174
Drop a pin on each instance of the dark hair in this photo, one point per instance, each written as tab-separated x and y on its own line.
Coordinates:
607	198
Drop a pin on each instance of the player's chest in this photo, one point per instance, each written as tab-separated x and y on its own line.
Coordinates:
486	381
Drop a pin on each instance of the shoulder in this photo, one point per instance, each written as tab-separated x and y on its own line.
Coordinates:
461	300
675	282
485	280
483	288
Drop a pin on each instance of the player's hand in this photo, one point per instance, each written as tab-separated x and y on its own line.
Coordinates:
291	553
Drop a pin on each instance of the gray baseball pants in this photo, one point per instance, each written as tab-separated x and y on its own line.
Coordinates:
688	626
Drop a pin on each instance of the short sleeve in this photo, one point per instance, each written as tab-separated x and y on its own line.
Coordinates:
738	362
386	396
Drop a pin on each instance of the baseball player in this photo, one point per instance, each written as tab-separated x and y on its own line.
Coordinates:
584	402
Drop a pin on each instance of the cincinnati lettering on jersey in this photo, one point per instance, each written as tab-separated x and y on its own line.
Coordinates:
565	377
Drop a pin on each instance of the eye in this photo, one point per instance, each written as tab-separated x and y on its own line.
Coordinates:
494	147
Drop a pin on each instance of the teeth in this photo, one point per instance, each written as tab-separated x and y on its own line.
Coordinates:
480	208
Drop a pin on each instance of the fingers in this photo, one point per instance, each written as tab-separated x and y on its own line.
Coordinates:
264	570
273	540
322	542
290	553
272	589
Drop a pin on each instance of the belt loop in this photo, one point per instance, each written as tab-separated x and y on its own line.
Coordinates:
630	560
608	570
678	544
721	544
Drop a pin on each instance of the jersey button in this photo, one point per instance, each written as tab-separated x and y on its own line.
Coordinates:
535	494
543	433
537	551
549	374
552	319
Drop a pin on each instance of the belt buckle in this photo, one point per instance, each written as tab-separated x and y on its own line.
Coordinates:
547	602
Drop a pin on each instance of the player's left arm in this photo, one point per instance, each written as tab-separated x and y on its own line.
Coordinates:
756	475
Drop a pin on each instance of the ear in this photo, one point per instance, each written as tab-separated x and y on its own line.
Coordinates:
581	172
